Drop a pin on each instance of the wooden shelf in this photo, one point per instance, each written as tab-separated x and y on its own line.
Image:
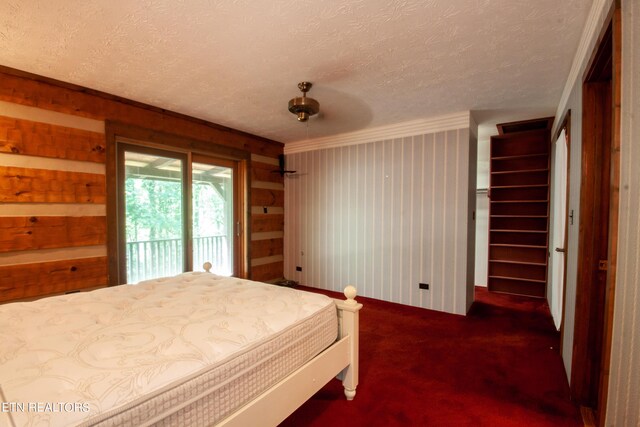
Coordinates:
522	186
508	261
513	245
499	230
520	156
519	212
520	171
519	201
519	216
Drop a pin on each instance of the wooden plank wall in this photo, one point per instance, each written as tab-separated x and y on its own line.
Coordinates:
52	192
267	219
52	184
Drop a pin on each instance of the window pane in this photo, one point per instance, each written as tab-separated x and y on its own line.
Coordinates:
154	217
213	217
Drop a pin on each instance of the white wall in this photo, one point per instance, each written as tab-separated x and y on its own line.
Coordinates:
623	407
384	216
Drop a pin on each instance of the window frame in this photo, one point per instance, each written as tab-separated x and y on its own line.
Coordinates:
155	142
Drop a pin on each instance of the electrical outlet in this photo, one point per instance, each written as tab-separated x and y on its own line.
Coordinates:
298	268
423	286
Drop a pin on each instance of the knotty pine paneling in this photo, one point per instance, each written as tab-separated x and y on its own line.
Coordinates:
44	278
267	219
267	272
267	222
383	216
23	88
50	186
266	248
266	197
46	140
41	118
266	172
47	232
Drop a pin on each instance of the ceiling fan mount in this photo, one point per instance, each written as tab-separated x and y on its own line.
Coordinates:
303	106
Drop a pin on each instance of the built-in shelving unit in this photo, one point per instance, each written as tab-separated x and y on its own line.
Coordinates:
519	208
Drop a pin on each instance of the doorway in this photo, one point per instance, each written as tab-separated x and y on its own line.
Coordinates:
598	227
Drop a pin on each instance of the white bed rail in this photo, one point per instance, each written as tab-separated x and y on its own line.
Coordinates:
339	360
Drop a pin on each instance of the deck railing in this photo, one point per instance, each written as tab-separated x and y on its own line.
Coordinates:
160	258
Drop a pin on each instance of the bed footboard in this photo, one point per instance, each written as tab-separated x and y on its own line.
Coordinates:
339	360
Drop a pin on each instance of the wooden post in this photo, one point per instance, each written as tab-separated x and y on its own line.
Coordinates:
349	319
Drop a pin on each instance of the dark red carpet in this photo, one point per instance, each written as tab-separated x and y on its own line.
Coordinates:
498	366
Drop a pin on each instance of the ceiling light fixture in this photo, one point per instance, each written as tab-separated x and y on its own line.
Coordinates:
302	106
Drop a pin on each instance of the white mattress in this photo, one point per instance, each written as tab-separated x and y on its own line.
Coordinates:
187	350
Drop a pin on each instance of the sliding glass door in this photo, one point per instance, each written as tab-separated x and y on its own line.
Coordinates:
177	211
213	214
154	213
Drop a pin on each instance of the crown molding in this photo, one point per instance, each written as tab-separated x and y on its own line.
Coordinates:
400	130
597	15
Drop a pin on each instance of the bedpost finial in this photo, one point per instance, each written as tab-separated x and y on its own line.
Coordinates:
207	266
350	292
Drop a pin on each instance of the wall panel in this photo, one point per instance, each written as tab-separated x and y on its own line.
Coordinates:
52	160
32	280
41	185
45	140
52	195
266	272
36	91
267	248
47	232
267	219
624	387
383	216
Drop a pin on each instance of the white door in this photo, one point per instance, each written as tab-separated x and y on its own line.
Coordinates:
559	225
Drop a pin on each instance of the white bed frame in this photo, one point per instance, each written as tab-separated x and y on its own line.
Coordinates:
339	360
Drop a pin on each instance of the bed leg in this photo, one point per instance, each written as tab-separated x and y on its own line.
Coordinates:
349	393
349	326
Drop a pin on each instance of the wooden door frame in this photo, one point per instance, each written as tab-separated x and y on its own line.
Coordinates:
580	382
614	207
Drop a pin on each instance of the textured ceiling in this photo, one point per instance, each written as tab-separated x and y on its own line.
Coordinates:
237	63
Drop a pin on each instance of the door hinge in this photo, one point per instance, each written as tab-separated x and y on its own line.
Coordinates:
603	265
238	230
